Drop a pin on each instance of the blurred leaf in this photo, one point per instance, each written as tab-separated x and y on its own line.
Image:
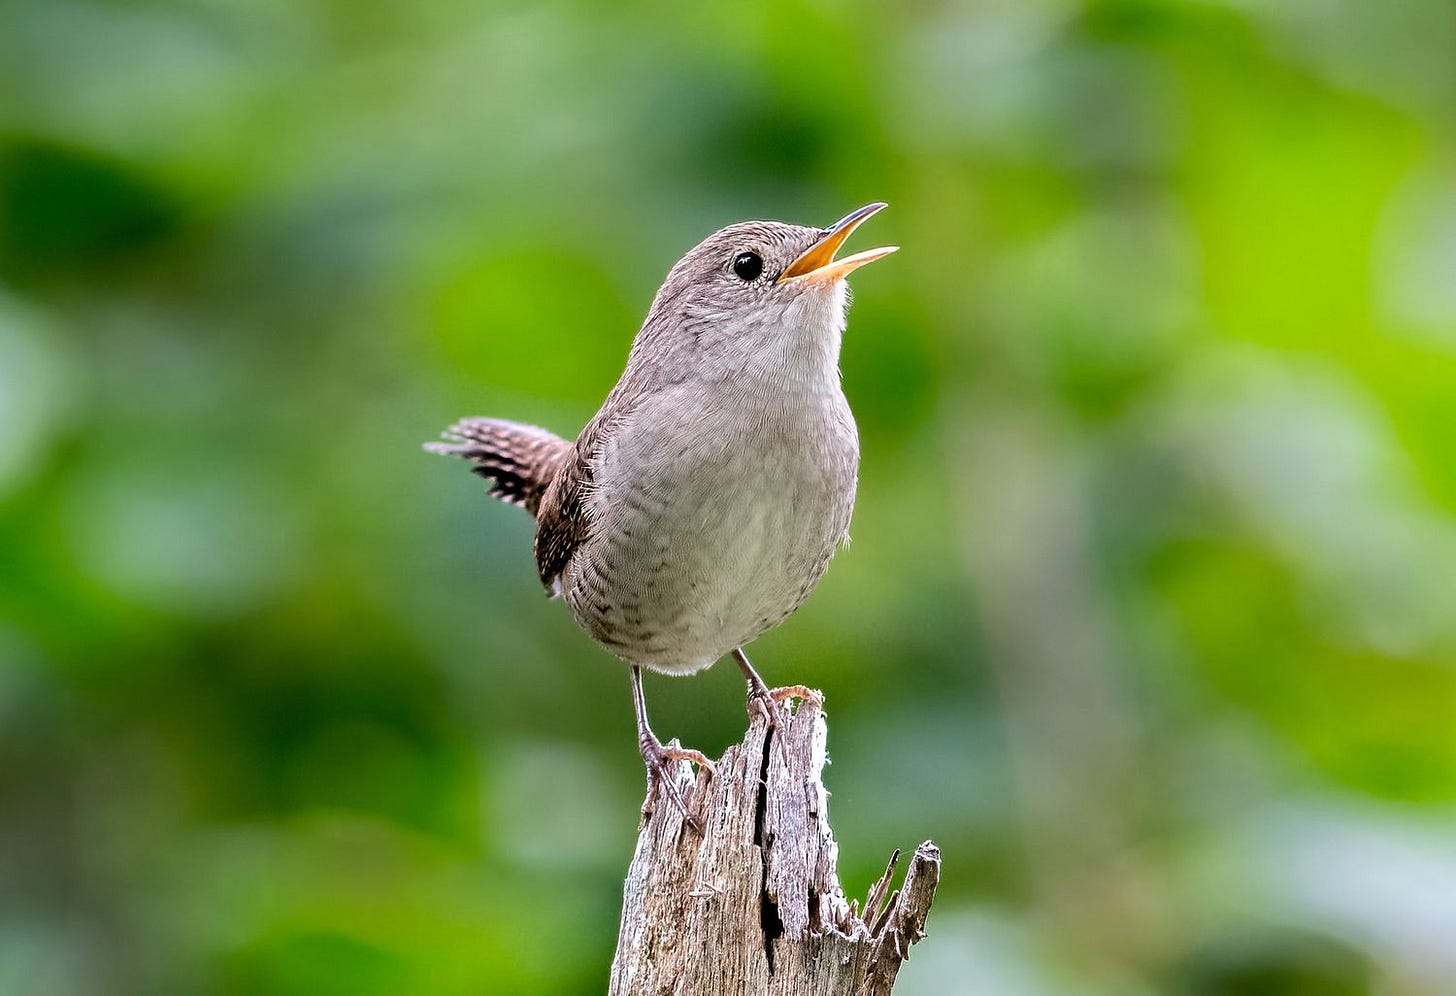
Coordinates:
65	209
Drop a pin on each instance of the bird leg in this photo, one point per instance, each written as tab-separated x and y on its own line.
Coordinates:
769	702
662	761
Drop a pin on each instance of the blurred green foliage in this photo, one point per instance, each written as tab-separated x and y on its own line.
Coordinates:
1150	615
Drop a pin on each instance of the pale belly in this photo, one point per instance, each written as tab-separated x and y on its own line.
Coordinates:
704	550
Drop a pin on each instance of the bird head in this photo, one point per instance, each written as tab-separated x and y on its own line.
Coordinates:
762	289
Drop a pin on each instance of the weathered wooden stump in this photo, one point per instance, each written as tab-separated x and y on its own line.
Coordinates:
753	905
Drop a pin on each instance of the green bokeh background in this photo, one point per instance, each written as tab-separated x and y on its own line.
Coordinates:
1150	615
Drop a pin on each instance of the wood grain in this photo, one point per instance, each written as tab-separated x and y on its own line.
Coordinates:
754	905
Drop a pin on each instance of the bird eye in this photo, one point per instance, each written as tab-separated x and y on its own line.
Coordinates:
748	265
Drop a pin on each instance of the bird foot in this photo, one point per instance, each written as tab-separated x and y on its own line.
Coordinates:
770	704
804	692
662	762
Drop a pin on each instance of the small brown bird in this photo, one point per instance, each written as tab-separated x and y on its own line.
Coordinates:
702	503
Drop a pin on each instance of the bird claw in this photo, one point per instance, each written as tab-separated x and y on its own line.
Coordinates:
797	692
661	764
769	704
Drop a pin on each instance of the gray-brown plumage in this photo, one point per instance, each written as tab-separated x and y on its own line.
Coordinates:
703	502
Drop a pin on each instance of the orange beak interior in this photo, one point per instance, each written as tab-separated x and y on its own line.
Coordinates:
817	263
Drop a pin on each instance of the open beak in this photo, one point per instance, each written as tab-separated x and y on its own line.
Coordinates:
817	263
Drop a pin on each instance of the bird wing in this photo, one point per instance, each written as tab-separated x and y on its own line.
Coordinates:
565	519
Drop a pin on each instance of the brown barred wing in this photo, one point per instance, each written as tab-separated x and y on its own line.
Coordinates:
562	526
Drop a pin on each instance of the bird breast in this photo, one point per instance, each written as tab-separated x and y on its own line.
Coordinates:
715	511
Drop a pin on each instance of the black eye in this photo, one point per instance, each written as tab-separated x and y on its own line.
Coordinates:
748	265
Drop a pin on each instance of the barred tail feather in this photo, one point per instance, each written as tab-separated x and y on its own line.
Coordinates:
518	460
